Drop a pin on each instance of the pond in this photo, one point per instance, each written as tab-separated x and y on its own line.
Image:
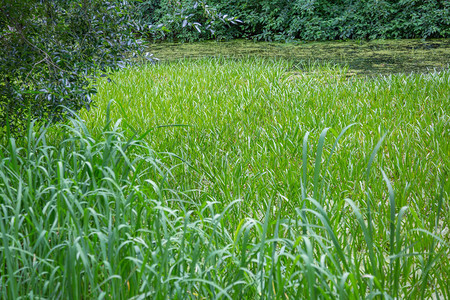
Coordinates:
361	57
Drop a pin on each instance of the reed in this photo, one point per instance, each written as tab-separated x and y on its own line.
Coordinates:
233	179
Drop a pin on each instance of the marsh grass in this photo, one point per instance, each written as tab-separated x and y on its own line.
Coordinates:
235	179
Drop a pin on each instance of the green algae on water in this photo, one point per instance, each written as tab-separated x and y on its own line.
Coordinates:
361	57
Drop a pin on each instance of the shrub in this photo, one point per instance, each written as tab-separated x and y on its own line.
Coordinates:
184	20
322	19
51	50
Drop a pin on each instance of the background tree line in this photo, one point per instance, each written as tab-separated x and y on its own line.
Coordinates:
283	20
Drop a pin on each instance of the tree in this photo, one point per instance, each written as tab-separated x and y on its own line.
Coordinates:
51	52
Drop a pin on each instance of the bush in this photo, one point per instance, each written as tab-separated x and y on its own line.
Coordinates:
282	20
184	20
51	50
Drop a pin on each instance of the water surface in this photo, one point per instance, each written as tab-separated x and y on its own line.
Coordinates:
362	57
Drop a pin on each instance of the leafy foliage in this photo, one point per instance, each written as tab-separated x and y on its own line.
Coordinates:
282	20
185	20
51	50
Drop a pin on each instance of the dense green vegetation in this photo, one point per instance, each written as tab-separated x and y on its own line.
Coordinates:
241	178
51	51
287	174
286	20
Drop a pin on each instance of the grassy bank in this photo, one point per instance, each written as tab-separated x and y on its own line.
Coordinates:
238	178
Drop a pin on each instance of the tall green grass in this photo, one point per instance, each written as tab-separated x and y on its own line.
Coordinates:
235	179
